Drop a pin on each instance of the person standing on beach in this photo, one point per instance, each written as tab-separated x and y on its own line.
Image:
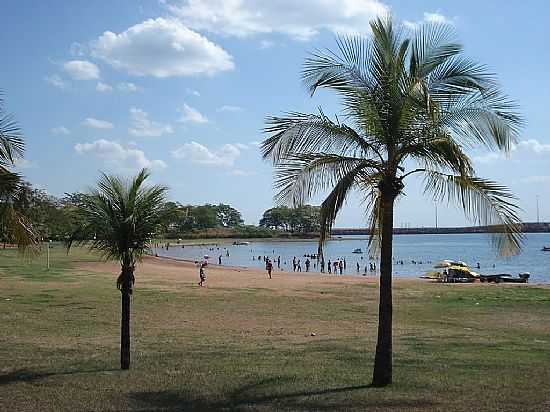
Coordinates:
294	264
220	260
322	265
344	263
329	266
341	266
308	262
299	266
269	267
358	268
202	274
279	262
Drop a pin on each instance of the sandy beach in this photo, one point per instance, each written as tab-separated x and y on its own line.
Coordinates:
166	273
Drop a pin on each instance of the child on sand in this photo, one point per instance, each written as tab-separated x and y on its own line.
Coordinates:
269	267
202	275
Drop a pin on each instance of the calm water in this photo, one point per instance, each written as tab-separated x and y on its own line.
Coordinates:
428	249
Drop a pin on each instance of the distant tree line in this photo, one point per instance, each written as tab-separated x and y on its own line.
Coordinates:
304	219
56	218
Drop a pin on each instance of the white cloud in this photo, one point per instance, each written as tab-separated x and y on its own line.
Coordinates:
197	153
532	145
129	87
241	146
536	180
299	19
81	70
488	157
436	18
524	147
193	92
229	108
103	87
161	48
59	130
21	163
142	126
97	123
77	49
118	156
190	114
266	44
56	80
243	173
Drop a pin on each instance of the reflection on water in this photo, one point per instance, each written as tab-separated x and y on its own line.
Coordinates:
417	252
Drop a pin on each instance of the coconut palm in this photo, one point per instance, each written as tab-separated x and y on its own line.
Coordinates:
414	104
15	226
118	219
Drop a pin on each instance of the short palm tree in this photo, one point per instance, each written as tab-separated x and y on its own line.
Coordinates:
414	104
15	226
119	219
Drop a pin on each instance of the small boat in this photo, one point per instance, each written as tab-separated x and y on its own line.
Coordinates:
358	250
447	263
241	243
452	274
546	249
506	277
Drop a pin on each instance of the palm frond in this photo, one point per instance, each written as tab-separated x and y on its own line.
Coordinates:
333	203
12	145
120	217
485	202
308	133
301	176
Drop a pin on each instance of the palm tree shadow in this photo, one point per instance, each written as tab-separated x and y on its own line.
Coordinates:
27	375
266	393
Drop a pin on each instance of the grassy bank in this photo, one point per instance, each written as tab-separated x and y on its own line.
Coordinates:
457	347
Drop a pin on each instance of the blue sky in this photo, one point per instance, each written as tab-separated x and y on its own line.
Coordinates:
183	87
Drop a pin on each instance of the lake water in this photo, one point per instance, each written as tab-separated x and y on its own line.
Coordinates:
428	249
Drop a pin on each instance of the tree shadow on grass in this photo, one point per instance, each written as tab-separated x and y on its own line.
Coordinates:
27	375
266	395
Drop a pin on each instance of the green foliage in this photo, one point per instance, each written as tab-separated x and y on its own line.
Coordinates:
303	219
411	101
15	226
179	220
120	217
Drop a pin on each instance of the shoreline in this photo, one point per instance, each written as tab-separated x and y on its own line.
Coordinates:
189	267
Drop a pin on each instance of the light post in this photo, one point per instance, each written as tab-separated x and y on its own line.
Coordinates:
48	246
538	215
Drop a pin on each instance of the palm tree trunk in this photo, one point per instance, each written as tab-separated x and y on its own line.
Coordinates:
125	320
382	374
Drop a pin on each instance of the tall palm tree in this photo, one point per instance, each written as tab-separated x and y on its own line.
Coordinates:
14	225
414	104
118	219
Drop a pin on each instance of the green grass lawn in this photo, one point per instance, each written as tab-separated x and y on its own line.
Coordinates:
456	347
